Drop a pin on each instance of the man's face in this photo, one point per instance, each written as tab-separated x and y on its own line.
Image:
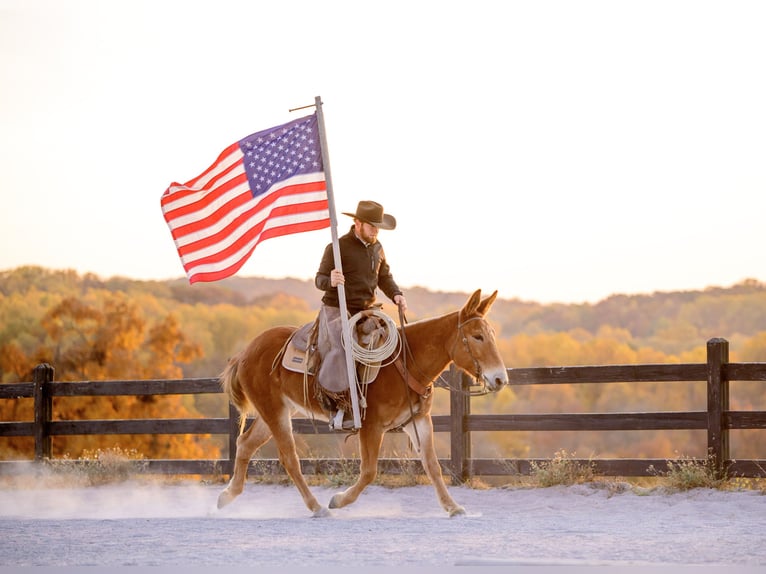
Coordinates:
366	231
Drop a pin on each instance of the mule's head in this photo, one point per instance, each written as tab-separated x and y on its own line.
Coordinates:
475	350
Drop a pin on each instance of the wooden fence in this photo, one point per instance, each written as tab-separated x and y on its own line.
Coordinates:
717	419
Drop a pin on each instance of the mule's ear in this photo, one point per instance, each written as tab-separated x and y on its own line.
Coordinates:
469	309
486	304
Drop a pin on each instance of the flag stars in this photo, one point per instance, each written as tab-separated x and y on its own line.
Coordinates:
281	154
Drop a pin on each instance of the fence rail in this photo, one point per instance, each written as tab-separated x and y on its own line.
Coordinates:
717	419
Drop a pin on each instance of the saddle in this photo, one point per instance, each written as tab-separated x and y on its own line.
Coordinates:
300	353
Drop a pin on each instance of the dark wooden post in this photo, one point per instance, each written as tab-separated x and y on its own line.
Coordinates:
460	437
717	403
42	377
233	434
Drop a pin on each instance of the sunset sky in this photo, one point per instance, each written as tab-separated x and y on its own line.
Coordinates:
555	151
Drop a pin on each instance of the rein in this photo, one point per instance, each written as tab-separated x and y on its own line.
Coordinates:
406	374
424	391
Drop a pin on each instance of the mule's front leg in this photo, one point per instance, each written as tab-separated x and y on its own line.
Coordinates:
370	440
425	436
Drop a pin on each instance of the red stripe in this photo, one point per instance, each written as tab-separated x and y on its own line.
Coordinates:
221	157
251	213
221	274
244	239
208	198
201	224
170	196
295	228
268	234
254	232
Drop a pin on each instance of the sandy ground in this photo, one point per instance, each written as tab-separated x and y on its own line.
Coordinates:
584	526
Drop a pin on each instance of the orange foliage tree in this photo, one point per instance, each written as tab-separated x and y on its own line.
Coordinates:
104	336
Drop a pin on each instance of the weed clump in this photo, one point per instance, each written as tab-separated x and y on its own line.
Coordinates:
688	473
562	469
100	466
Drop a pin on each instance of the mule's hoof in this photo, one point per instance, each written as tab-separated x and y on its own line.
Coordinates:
225	498
321	512
457	511
335	501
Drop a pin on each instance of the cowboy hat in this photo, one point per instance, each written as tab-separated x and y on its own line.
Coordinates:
372	213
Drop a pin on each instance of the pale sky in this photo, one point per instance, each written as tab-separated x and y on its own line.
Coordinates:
552	150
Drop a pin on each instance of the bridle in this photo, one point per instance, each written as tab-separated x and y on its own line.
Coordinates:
461	335
405	349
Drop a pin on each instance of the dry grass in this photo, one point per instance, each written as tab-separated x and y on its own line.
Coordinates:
100	466
687	473
116	465
561	470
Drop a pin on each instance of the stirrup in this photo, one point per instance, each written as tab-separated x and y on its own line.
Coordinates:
338	423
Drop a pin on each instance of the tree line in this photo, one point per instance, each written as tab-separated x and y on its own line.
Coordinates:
91	328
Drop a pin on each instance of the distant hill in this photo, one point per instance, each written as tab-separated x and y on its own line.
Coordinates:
259	290
672	321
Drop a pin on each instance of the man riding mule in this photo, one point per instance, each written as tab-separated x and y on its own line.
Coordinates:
364	269
401	397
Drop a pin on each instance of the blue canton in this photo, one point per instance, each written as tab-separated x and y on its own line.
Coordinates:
276	154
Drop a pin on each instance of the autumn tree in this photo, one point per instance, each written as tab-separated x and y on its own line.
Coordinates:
165	347
104	336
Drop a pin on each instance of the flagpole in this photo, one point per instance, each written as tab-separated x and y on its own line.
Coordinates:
336	254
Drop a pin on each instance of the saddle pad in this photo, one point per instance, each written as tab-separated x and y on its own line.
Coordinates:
295	357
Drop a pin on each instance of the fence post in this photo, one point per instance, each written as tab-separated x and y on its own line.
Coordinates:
717	403
42	377
233	434
460	437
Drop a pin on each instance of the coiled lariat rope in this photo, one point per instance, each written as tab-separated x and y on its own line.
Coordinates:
373	353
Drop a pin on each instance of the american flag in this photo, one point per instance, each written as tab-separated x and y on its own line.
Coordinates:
268	184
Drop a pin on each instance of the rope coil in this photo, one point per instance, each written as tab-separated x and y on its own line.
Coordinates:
369	355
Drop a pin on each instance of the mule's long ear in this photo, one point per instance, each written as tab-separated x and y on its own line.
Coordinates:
469	309
486	304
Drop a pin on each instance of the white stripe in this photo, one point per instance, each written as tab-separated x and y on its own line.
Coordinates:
251	222
243	252
200	184
231	216
184	200
209	210
286	220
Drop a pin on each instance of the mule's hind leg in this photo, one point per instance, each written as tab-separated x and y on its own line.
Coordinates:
247	443
425	436
288	456
370	441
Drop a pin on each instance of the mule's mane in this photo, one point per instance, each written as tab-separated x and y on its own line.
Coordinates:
431	319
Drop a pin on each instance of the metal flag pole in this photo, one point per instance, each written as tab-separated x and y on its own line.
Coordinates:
336	254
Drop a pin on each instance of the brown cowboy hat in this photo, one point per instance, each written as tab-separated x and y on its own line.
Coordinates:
372	212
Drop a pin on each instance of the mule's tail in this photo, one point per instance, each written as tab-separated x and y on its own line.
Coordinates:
230	384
